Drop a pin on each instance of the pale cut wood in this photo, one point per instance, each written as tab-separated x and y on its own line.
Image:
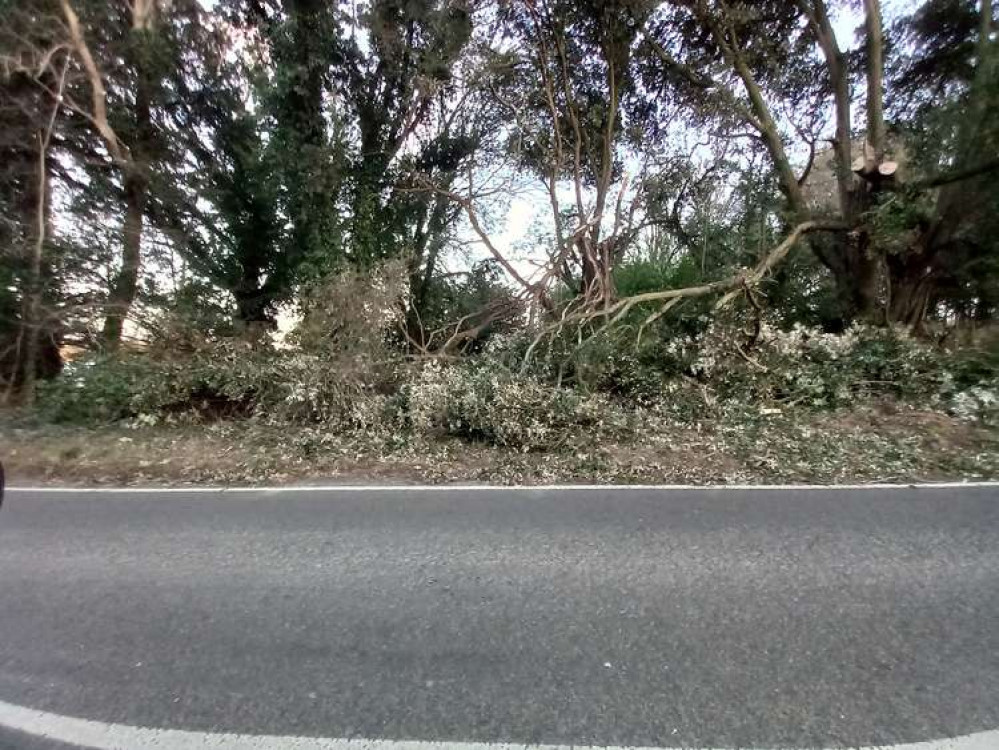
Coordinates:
887	168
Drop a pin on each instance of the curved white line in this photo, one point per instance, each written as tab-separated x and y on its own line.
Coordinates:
98	735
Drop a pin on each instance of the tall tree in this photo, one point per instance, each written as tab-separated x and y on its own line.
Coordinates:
396	83
305	41
34	76
746	63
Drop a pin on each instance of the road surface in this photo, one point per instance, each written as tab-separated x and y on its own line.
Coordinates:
632	617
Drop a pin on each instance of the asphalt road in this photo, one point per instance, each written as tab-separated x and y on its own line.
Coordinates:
763	618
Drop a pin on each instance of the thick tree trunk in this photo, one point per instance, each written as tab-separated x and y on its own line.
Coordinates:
126	282
913	275
913	278
865	283
310	182
856	277
910	301
370	224
37	203
136	187
254	304
251	307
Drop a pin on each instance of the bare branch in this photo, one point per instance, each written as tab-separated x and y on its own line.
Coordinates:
98	93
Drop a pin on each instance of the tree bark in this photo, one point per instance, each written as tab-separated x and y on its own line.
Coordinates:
855	273
839	79
126	281
307	171
875	79
38	205
123	289
764	121
252	303
914	276
852	260
36	212
861	286
428	242
912	287
132	161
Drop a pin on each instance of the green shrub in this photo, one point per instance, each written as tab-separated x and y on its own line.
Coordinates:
231	381
95	390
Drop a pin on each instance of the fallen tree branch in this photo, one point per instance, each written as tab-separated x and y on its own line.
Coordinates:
733	286
776	256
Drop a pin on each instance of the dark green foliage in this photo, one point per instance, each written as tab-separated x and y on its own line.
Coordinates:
305	43
95	391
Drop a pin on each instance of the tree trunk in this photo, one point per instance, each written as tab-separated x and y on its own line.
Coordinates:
428	243
910	301
254	306
251	306
865	278
857	279
136	187
875	79
765	123
310	181
591	275
913	277
839	78
126	282
37	206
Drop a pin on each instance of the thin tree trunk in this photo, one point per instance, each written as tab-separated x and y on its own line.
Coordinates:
132	161
433	243
428	243
788	182
825	34
40	200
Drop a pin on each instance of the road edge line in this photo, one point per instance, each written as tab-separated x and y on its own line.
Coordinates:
270	489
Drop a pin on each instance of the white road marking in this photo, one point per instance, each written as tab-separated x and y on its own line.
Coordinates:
97	735
500	488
